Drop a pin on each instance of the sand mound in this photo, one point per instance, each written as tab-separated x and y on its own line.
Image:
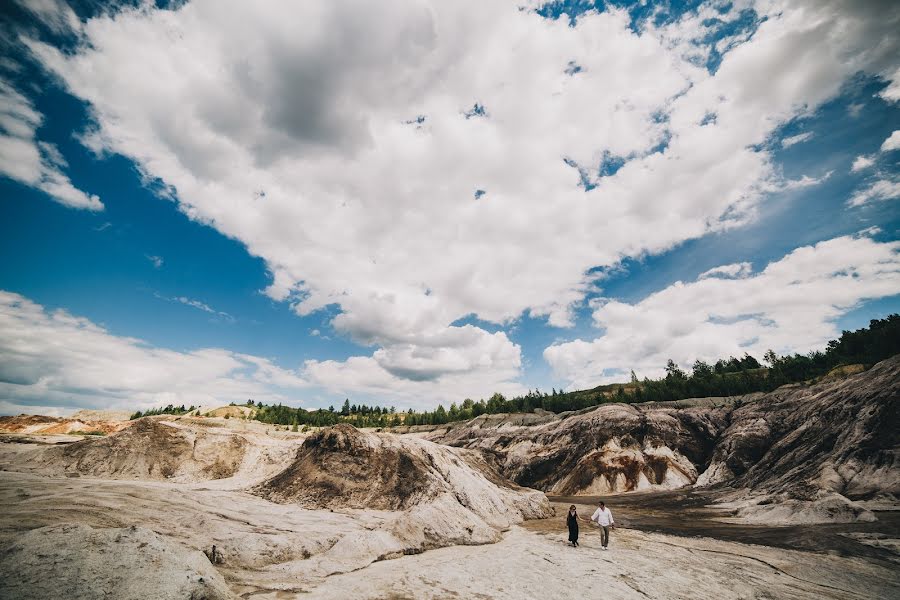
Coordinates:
41	425
79	562
343	467
101	415
27	423
150	449
440	496
226	411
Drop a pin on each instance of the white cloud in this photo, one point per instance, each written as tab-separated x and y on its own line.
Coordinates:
892	143
804	182
54	359
882	189
892	92
791	305
864	162
156	261
861	163
796	139
30	161
422	377
294	129
735	270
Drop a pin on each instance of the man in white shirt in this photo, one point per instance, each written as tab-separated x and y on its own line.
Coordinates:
604	519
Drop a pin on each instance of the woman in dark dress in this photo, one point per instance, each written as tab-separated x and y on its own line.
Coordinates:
572	522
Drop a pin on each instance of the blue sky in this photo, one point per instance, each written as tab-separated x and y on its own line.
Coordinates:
308	237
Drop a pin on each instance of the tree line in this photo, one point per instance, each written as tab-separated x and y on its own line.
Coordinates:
726	377
165	410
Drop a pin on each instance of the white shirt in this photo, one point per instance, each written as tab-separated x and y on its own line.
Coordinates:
603	517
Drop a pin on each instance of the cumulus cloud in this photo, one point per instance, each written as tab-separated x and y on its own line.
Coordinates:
882	189
27	159
422	377
344	143
892	143
57	360
791	305
862	163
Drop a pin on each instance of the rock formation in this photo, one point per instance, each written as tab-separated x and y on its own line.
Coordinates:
440	495
831	443
612	448
152	448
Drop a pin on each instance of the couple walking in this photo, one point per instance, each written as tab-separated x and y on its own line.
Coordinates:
602	516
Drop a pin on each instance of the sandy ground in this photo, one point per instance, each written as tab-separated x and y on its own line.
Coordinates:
272	551
530	564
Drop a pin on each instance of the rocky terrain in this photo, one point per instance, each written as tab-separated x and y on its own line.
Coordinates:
459	510
29	567
439	497
300	508
815	453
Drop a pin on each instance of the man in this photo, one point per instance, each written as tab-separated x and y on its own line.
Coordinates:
604	519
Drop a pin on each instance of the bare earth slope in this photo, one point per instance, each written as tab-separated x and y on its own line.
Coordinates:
613	448
437	496
376	496
82	421
156	449
822	446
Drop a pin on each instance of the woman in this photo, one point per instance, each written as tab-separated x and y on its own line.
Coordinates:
572	522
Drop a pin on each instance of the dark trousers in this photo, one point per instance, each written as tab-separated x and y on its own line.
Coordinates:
604	536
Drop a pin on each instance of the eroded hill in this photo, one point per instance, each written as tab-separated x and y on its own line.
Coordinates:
809	453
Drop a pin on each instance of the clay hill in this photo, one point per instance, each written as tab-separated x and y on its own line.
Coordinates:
800	453
156	449
443	494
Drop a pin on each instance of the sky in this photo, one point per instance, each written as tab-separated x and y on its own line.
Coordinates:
414	202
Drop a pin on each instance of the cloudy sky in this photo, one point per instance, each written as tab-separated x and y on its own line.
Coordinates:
409	202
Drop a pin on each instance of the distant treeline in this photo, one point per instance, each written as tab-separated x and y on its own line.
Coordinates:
166	410
360	416
726	377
